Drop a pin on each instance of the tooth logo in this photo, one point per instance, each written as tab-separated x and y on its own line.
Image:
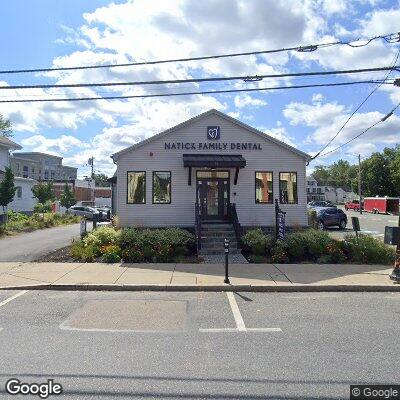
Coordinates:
213	132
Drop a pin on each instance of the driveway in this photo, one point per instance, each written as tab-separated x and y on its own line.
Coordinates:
32	245
372	224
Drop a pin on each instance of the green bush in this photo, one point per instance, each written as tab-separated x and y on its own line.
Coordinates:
312	218
279	253
101	236
43	207
316	242
16	216
156	245
296	245
256	242
368	250
82	252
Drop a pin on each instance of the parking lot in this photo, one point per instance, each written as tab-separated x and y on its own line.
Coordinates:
199	345
372	224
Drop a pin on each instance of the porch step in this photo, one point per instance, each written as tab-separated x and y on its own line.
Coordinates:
213	237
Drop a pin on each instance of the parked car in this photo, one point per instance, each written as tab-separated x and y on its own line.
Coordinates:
332	216
105	211
353	205
87	212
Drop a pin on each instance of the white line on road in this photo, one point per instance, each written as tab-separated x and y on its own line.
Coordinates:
4	302
236	312
237	330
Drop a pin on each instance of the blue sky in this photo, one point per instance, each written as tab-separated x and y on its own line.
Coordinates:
48	33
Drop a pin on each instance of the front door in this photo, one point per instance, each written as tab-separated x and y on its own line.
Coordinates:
213	194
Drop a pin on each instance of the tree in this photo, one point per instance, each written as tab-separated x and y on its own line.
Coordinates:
7	189
67	198
321	174
5	127
101	180
44	191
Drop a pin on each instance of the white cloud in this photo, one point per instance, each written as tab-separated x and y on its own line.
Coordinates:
56	146
325	120
246	100
281	134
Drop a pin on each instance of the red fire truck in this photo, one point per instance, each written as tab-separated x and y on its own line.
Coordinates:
381	205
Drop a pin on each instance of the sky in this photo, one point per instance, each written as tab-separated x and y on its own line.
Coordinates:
63	33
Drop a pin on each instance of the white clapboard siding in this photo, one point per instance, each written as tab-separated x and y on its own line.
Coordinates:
273	157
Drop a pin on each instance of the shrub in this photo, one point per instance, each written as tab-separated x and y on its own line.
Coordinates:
133	254
256	242
316	242
279	253
312	218
157	245
296	245
82	252
111	258
368	250
102	236
43	207
16	216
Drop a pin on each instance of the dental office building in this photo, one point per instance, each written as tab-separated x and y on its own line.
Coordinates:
216	162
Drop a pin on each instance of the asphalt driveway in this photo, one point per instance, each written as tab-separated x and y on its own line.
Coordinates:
30	246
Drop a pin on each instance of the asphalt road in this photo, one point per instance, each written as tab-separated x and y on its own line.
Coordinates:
372	224
149	345
30	246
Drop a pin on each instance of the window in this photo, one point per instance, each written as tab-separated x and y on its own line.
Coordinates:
46	174
162	187
288	187
25	171
19	191
136	187
264	192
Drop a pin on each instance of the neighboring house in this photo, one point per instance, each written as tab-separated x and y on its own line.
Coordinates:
339	195
41	166
315	191
23	200
215	161
84	191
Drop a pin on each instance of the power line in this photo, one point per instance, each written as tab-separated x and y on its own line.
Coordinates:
191	93
359	106
389	38
200	80
364	131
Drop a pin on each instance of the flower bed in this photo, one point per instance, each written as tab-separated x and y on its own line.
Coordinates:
18	222
108	244
315	246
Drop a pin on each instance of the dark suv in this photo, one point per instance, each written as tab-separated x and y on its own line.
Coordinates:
331	217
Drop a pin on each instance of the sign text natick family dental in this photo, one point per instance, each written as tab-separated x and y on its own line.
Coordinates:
213	133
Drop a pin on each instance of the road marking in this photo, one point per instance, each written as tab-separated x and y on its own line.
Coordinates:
236	312
237	330
4	302
240	326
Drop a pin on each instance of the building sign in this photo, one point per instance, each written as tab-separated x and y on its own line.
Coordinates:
211	146
213	133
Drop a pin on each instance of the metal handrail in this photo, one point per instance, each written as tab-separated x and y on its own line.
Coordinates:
197	225
236	224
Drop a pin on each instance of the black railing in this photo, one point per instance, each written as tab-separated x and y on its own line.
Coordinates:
197	225
236	224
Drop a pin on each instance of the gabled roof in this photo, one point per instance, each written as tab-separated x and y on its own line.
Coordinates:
5	141
205	114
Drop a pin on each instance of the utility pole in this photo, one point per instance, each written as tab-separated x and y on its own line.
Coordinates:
359	181
91	163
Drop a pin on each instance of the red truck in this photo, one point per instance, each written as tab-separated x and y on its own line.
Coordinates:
352	205
381	205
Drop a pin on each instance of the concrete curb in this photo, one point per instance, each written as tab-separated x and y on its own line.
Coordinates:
211	288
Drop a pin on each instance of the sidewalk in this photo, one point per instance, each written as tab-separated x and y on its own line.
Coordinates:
196	277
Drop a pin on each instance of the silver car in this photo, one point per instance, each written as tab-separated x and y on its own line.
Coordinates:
83	211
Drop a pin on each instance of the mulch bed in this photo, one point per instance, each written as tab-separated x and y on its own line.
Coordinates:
60	255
